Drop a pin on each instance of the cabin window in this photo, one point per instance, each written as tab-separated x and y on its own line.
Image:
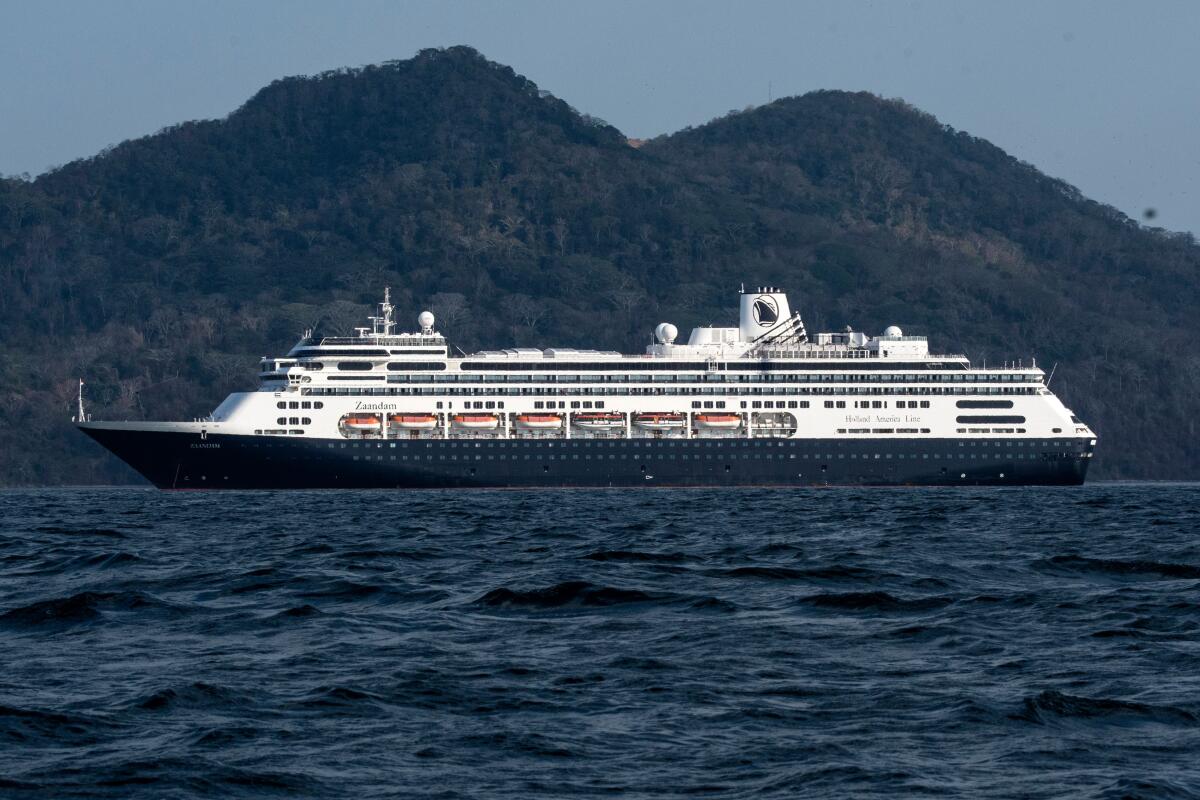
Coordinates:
984	404
354	366
413	366
281	404
281	421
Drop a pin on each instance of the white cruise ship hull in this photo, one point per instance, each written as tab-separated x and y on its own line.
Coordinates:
182	459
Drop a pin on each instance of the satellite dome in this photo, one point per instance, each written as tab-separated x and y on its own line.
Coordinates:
665	332
425	320
892	330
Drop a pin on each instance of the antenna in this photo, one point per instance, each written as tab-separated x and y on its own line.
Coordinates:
82	415
1050	377
382	325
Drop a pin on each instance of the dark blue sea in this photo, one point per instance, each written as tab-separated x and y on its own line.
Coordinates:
1040	643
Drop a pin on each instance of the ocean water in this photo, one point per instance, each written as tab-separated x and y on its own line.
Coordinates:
1038	643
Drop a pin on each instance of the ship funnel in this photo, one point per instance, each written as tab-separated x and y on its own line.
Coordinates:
762	310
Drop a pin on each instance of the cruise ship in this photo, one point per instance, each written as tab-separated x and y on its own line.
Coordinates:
759	404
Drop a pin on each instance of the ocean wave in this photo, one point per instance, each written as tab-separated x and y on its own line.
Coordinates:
874	601
1053	705
834	572
34	726
83	608
198	695
338	696
1074	563
568	593
636	556
57	529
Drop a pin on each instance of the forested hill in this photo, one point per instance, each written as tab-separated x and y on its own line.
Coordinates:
163	268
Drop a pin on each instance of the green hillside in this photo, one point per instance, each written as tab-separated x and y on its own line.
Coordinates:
162	269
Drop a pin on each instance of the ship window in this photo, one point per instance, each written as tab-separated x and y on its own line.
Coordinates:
695	404
281	404
412	366
306	404
924	404
439	404
318	404
829	404
281	421
354	366
984	404
306	421
841	403
293	404
1056	430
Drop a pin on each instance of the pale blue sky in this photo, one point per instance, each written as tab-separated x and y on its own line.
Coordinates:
1105	95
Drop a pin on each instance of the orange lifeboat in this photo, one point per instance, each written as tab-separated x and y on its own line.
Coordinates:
718	421
414	421
362	422
659	421
475	421
599	421
539	421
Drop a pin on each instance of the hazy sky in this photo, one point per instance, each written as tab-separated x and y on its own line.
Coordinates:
1105	95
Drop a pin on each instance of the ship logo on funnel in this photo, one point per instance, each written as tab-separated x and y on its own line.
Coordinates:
766	312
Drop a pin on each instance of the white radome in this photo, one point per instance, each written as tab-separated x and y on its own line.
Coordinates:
425	320
893	330
665	332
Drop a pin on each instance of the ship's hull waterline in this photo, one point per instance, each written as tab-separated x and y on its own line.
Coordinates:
179	460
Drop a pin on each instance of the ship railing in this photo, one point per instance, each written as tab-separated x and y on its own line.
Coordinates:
369	340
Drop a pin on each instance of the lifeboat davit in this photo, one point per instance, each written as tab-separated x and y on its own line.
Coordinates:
362	422
659	421
539	421
475	421
414	421
718	420
599	421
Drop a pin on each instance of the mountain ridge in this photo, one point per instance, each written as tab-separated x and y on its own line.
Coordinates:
164	267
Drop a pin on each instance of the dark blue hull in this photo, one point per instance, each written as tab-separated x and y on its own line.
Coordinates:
185	461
